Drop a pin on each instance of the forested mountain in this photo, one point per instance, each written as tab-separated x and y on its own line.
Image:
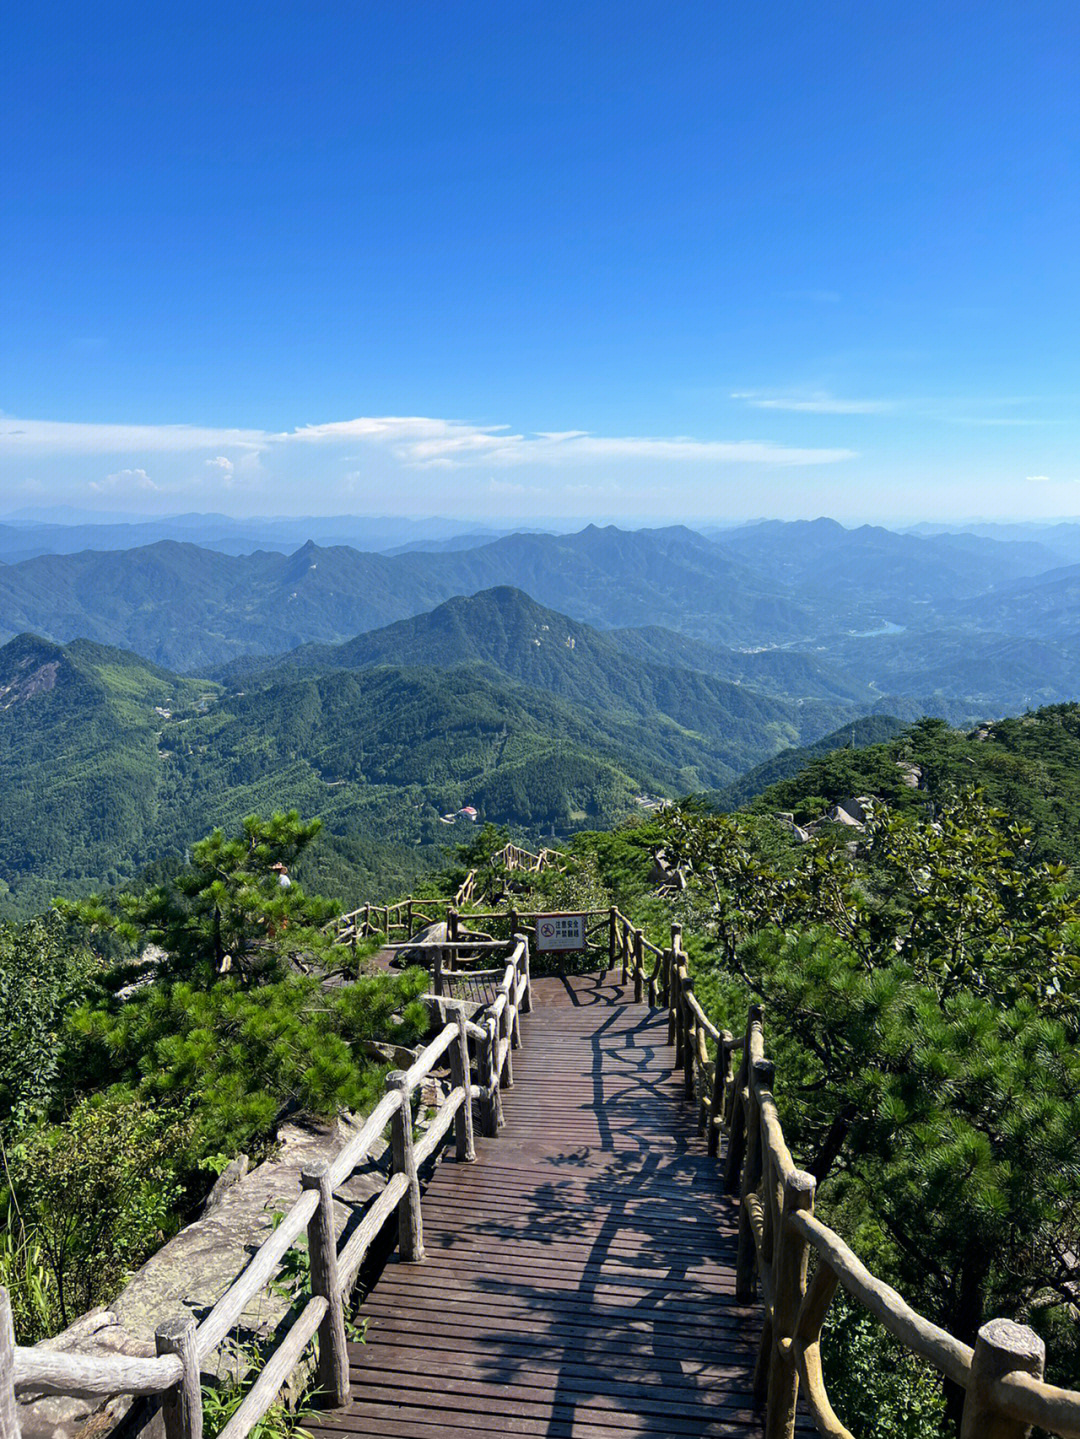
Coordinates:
902	623
1029	765
30	537
788	672
1046	607
80	771
267	602
107	762
905	572
504	628
851	738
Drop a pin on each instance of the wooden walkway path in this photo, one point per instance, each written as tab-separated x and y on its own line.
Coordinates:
579	1278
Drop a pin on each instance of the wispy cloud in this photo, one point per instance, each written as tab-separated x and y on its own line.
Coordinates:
820	402
415	441
62	437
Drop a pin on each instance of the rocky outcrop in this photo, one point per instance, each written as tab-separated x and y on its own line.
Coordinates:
193	1270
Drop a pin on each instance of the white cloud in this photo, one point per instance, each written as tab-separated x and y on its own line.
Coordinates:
124	480
818	403
1038	479
224	467
415	441
61	437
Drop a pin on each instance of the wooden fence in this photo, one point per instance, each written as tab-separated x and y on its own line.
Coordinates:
1002	1376
512	857
370	920
184	1344
407	915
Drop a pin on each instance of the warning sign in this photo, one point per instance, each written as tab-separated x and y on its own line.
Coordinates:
560	931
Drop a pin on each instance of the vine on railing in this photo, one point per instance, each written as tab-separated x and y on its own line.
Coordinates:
183	1344
778	1233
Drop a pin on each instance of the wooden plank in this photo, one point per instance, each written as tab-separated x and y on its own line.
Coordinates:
579	1279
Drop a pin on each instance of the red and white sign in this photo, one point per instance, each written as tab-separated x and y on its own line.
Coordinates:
560	931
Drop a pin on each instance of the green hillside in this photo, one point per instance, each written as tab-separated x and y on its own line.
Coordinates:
81	778
108	763
510	632
1028	765
790	763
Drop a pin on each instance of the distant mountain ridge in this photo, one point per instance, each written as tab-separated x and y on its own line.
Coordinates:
270	602
503	630
806	610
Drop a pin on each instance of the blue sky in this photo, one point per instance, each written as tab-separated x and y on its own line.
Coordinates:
630	261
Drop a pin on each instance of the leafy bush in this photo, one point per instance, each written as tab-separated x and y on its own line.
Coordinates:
96	1195
42	973
878	1388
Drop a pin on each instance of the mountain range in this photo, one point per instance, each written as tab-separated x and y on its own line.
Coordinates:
534	719
883	614
548	680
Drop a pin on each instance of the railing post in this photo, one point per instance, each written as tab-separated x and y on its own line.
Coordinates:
181	1407
669	992
675	1011
689	1028
333	1363
655	980
437	960
515	1010
408	919
526	963
739	1122
789	1286
410	1223
676	938
9	1412
459	1074
613	938
1000	1348
639	963
721	1085
452	925
746	1258
493	1111
506	1029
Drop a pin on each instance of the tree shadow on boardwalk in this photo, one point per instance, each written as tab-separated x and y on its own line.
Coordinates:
580	1276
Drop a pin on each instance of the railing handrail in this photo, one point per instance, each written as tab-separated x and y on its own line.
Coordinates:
1002	1375
183	1344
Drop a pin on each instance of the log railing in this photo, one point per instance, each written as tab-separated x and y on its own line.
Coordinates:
779	1234
370	920
466	890
512	857
183	1344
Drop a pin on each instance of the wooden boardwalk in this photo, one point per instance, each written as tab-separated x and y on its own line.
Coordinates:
579	1276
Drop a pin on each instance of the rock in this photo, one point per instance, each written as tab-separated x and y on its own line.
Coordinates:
838	815
194	1269
232	1174
910	774
787	819
433	934
397	1055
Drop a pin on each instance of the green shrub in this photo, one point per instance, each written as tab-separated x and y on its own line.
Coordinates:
97	1194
